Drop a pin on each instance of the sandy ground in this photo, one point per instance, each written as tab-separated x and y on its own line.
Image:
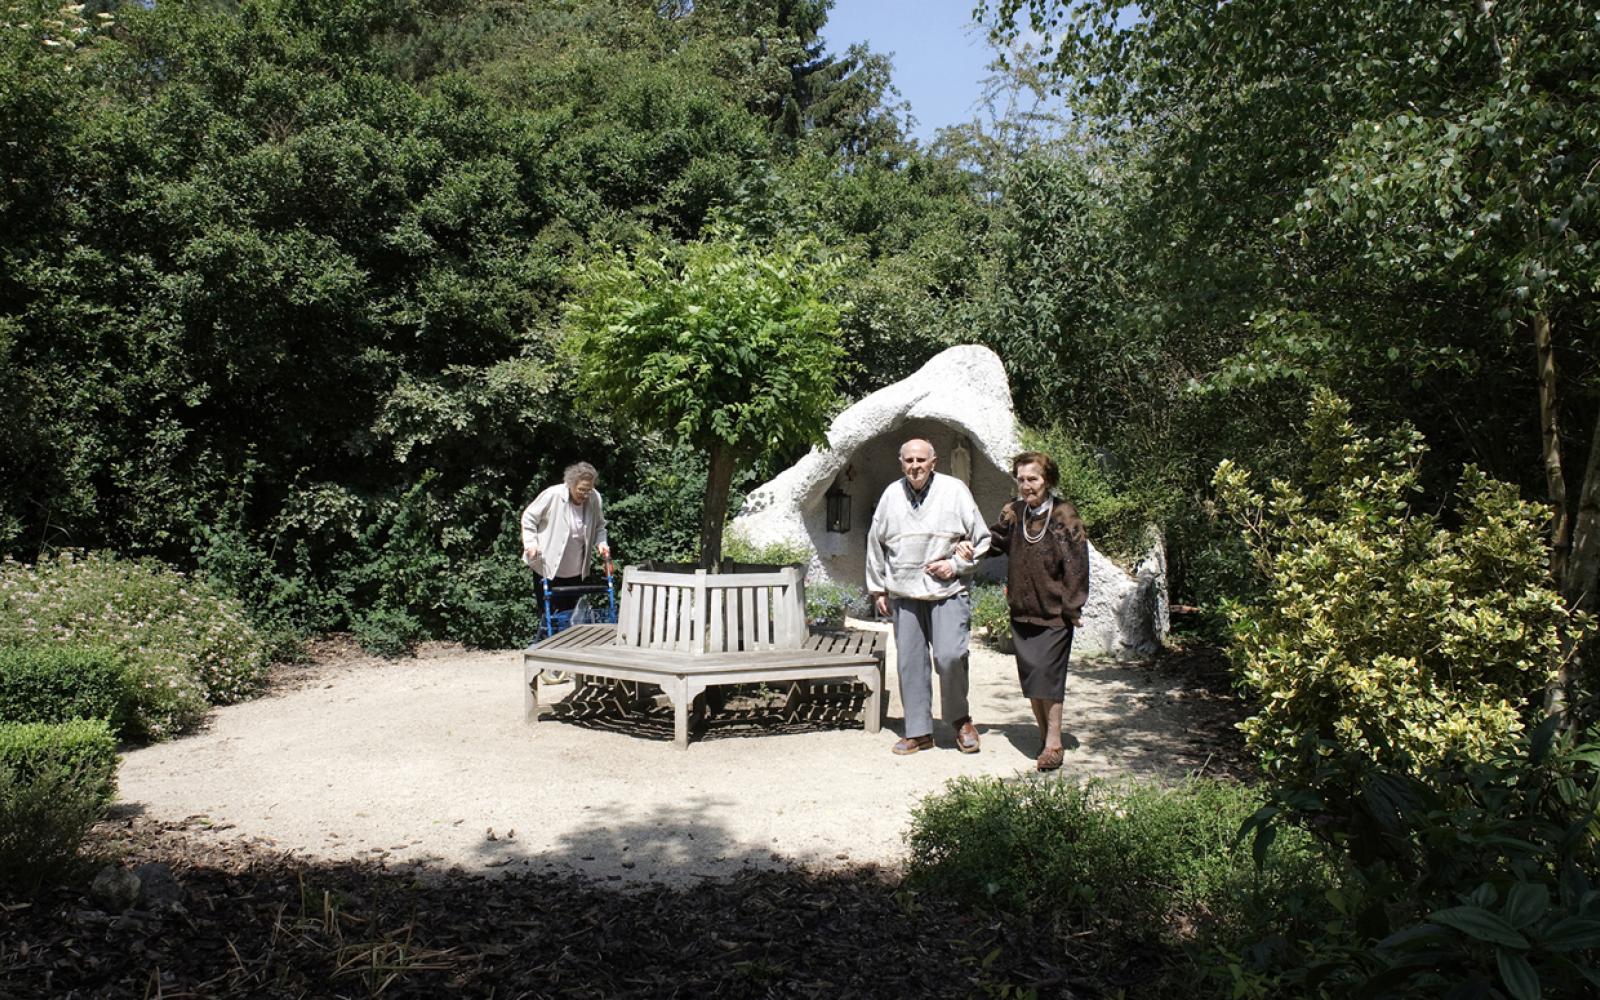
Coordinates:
427	761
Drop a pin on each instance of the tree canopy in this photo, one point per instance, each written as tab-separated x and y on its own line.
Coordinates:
716	345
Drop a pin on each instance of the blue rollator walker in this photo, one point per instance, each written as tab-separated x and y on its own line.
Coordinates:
582	613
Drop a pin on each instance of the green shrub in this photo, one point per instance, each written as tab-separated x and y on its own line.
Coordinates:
44	818
189	643
1470	878
84	748
55	782
990	611
828	604
57	683
656	517
1381	630
389	632
1141	862
736	549
497	603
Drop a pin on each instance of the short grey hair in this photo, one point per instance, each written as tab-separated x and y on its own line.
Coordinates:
933	453
577	471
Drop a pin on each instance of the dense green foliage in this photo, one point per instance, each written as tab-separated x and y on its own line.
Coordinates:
1382	630
991	612
57	683
829	604
183	645
44	819
55	782
1466	876
1386	199
291	275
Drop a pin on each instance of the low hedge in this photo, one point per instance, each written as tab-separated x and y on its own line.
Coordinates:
55	782
61	683
85	749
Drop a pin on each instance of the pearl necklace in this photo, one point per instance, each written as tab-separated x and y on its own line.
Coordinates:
1029	538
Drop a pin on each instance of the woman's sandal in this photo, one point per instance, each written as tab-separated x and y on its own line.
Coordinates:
1049	759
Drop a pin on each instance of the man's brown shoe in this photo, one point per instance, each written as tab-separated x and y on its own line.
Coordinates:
966	736
913	744
1049	759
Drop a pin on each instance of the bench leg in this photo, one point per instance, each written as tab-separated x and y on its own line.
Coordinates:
872	677
530	692
679	693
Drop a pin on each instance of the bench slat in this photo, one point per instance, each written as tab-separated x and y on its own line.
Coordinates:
668	664
751	636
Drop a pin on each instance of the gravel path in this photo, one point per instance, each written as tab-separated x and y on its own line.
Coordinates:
427	761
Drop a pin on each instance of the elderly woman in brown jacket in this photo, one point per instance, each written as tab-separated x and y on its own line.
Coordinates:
1047	584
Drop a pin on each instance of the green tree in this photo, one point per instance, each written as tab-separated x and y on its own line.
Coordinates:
1395	199
718	345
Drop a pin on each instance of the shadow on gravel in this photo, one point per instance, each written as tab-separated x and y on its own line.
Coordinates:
248	922
638	710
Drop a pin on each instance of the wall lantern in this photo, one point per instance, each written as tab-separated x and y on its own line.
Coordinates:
838	509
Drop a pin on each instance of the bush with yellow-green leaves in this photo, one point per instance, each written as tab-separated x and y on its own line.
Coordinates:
1384	629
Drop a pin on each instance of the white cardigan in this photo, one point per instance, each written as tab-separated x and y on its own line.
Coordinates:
545	525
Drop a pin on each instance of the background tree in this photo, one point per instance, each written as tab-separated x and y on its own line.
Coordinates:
1389	199
281	281
716	344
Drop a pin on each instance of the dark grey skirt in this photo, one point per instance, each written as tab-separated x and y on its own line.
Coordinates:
1042	653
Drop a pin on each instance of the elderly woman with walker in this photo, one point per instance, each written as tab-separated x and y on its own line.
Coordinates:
560	528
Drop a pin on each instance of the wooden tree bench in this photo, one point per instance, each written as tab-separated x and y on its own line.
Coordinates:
689	631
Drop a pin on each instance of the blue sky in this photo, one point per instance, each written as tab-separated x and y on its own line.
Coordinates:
939	56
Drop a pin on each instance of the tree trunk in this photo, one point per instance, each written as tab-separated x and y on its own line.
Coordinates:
1550	439
719	477
1583	565
1582	574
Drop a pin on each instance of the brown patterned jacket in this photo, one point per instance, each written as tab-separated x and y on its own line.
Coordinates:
1047	581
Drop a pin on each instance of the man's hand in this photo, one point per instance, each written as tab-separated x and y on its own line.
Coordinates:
530	552
604	550
964	549
882	605
941	569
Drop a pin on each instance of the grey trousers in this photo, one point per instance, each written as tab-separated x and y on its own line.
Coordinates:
943	625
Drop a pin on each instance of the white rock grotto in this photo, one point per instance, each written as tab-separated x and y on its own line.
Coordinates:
961	402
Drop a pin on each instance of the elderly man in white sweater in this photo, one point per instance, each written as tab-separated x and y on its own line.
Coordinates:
914	572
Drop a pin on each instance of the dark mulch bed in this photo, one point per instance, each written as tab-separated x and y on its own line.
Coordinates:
248	922
1213	745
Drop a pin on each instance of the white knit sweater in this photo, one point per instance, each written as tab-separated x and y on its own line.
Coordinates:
903	540
545	524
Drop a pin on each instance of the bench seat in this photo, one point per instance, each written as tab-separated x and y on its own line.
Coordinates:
597	650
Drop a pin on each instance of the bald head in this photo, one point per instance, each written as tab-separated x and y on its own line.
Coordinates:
917	459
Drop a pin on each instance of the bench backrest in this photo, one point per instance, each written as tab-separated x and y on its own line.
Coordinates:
704	612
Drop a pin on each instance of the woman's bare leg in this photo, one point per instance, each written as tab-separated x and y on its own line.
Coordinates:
1052	724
